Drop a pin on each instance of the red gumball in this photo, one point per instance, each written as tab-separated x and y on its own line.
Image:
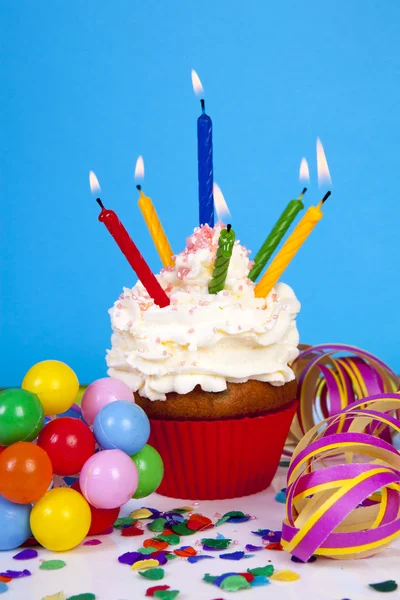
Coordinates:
102	518
69	443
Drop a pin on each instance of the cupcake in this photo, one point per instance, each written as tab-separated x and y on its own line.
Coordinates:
212	371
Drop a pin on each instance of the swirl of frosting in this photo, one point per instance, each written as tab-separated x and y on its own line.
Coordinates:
200	338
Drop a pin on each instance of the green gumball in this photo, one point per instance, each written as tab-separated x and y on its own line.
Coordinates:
21	416
150	469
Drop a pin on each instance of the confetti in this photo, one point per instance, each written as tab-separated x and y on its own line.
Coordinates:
172	540
157	588
153	574
92	542
285	576
3	587
161	557
124	522
129	558
259	580
141	513
194	559
167	595
183	509
170	556
216	544
52	565
281	496
156	544
182	529
148	550
234	583
157	524
145	564
233	514
131	531
57	596
26	554
16	574
85	596
185	551
267	570
5	579
384	586
251	548
233	555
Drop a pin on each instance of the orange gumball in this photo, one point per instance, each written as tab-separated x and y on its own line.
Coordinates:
25	473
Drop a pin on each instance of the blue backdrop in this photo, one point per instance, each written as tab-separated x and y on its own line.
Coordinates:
91	85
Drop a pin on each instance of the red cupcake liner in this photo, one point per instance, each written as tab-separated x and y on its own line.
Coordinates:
213	460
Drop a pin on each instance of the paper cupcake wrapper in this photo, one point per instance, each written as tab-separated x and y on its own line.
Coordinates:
213	460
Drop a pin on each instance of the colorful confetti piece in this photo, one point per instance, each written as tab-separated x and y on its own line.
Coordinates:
185	551
157	524
85	596
251	548
234	583
129	558
52	565
26	554
153	574
195	559
124	522
57	596
3	587
167	595
260	580
281	496
131	531
92	542
233	555
285	576
216	544
16	574
145	564
267	570
384	586
5	579
141	513
157	588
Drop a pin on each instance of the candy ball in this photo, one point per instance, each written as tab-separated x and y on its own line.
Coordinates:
69	443
102	518
25	472
55	383
21	416
102	392
122	425
14	524
150	470
61	519
108	479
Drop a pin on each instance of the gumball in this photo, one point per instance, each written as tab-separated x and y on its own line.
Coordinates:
122	425
102	518
108	479
69	443
150	470
25	472
61	519
102	392
21	416
14	524
55	383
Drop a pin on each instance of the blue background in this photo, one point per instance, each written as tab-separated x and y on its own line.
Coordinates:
91	85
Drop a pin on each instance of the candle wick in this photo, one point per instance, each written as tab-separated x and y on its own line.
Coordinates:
99	202
228	227
325	198
303	191
139	187
203	106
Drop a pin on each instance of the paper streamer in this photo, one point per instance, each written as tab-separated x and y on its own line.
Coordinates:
331	377
343	489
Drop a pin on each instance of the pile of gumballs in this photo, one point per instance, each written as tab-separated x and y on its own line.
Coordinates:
100	454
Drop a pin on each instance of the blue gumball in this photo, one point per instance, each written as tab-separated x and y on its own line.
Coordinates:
122	425
14	524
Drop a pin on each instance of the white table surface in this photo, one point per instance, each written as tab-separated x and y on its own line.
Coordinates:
96	568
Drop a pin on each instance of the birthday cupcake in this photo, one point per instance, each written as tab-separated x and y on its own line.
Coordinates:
211	370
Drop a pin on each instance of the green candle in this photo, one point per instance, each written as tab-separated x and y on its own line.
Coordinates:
279	230
222	260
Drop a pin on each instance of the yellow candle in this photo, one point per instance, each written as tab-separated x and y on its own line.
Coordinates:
155	228
289	249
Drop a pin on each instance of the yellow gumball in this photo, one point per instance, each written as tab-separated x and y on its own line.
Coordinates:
55	383
61	519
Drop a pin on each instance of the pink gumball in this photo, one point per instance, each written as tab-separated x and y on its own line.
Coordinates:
108	479
102	392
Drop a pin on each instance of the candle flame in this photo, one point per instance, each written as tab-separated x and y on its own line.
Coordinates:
324	177
93	182
197	87
221	207
139	169
304	173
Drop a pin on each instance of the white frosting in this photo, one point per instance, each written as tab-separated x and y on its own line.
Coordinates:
203	339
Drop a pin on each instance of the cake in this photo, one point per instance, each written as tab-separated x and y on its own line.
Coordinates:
212	371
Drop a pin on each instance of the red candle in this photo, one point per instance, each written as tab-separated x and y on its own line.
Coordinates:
133	256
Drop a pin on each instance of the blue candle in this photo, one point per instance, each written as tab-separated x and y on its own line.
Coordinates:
205	165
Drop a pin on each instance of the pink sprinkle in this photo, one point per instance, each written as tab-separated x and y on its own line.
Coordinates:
239	327
182	363
194	364
215	330
226	293
275	317
165	353
158	340
129	324
240	288
274	297
191	330
191	311
119	305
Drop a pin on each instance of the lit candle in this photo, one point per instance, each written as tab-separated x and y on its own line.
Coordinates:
205	159
290	249
130	251
222	260
277	233
152	221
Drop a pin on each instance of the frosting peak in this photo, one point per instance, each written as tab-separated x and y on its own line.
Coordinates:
203	339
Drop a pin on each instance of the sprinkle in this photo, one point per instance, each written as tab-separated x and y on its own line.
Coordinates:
167	595
3	587
16	574
267	570
140	513
251	548
157	588
233	555
157	524
145	564
124	522
235	583
92	542
285	576
195	559
216	544
26	554
384	586
86	596
131	531
153	574
52	565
